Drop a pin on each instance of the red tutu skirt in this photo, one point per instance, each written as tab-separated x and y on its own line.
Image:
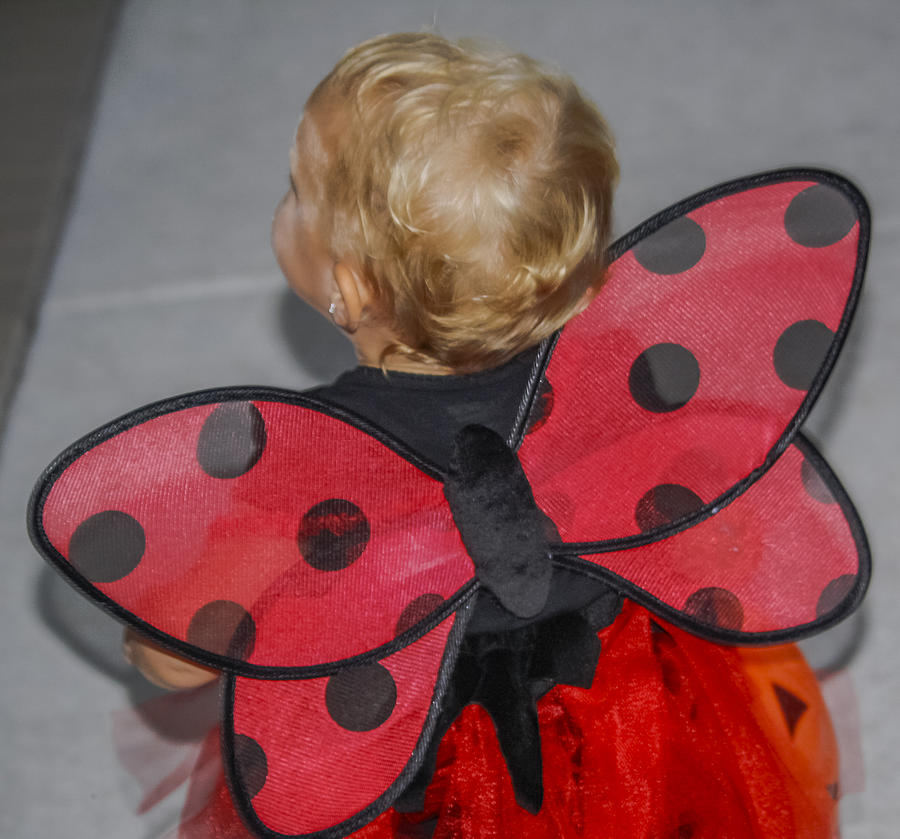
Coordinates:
677	738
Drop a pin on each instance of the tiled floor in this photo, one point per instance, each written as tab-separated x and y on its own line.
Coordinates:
164	283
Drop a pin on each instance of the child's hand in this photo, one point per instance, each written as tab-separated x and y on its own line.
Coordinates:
163	668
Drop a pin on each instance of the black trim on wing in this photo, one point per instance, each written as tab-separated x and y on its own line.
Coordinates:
538	367
212	396
198	399
564	556
651	225
563	550
390	795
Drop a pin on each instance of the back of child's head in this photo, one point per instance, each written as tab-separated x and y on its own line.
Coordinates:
472	187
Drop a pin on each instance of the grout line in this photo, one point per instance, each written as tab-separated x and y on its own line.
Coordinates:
165	295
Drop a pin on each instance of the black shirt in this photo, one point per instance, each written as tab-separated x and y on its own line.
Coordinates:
426	411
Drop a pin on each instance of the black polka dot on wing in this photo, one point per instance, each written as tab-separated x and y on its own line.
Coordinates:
542	406
232	440
223	627
834	790
834	594
716	607
107	546
361	698
792	706
333	534
800	351
819	216
664	378
815	485
664	504
672	249
251	764
416	610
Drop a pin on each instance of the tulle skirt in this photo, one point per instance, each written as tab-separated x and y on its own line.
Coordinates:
677	738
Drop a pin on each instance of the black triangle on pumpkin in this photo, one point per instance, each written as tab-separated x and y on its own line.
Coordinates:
792	707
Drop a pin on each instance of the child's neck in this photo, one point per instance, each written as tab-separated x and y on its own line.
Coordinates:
408	365
370	339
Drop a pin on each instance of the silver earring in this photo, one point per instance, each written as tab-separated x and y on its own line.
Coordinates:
332	308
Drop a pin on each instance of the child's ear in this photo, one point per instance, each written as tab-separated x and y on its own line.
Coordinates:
350	297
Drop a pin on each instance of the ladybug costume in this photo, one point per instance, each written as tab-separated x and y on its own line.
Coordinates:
411	644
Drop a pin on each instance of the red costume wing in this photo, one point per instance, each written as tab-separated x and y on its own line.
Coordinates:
684	382
263	533
783	559
224	525
324	756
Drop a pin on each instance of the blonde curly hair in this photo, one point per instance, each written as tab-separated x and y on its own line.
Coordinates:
473	186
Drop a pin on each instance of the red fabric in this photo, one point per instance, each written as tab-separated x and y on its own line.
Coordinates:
292	721
677	738
777	530
190	579
748	283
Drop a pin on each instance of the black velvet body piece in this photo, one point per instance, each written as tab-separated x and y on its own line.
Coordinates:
506	673
504	531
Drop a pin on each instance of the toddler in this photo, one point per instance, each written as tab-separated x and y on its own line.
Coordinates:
449	208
